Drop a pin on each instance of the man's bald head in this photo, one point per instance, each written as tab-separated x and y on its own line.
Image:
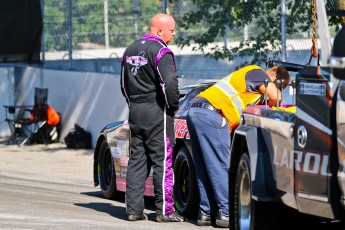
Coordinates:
163	26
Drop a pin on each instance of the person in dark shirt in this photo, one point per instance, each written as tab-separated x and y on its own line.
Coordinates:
149	84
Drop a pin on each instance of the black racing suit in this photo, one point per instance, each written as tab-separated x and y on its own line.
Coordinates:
149	83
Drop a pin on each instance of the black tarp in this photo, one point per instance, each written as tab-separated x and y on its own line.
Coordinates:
20	31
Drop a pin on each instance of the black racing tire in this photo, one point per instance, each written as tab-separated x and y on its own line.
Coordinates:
186	194
107	176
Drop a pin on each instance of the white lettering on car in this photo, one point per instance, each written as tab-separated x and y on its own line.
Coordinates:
307	162
285	160
324	166
311	163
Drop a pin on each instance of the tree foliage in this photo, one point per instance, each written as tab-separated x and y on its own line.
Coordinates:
203	24
336	5
263	19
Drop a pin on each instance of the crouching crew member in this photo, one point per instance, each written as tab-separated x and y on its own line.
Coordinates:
213	115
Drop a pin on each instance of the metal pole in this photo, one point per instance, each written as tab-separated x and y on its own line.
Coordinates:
43	37
245	32
323	31
225	38
283	29
324	37
69	15
135	11
164	6
106	24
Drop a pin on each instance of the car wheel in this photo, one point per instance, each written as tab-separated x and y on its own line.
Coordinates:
243	206
186	193
107	176
247	213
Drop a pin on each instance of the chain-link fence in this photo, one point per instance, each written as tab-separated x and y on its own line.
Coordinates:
236	31
93	28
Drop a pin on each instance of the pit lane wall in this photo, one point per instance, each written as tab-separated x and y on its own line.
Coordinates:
89	99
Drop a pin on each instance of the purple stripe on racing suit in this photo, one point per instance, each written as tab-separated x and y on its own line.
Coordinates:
159	57
152	37
169	179
162	51
161	54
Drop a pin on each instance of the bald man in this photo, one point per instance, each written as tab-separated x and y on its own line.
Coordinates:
149	84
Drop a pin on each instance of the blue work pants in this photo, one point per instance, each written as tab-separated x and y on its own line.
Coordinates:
210	140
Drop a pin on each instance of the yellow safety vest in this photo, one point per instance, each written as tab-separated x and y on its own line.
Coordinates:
230	97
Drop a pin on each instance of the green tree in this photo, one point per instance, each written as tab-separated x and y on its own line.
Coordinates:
221	18
336	5
55	32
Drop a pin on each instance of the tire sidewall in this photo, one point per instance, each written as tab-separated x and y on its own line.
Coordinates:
242	169
107	191
191	206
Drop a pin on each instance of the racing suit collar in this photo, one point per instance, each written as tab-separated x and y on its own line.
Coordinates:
153	37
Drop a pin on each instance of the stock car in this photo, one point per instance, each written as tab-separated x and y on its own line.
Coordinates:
112	153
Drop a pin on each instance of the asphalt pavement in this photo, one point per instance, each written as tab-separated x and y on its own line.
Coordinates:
51	187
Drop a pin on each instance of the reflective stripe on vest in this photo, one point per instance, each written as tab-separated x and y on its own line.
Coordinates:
231	93
231	99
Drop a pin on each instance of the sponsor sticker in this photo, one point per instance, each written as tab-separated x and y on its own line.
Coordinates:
115	152
121	134
181	129
312	89
121	143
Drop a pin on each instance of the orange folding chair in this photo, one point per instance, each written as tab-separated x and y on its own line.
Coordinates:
38	112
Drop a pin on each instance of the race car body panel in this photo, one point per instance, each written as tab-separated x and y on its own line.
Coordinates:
117	135
269	141
314	133
340	118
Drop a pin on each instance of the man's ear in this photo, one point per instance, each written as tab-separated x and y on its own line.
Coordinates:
159	32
